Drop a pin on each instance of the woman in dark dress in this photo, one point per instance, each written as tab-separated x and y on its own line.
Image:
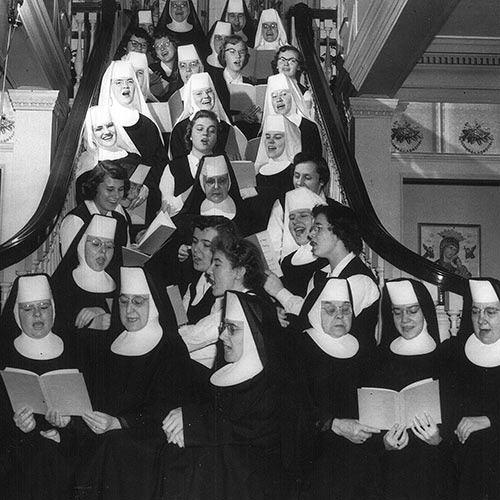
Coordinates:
120	90
218	32
332	361
279	143
144	374
478	384
106	185
215	192
37	453
232	443
299	266
416	460
180	20
84	286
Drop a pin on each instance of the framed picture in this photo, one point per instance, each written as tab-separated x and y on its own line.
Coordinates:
456	247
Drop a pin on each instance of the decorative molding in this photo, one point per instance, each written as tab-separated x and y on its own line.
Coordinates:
464	59
371	106
34	100
374	29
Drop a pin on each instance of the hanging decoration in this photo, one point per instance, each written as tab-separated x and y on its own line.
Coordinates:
476	138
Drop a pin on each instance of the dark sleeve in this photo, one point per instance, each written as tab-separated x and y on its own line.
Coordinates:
177	146
252	421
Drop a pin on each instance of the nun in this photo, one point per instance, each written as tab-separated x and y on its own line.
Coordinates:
37	456
271	34
120	90
84	291
236	13
215	192
144	376
199	94
298	262
332	360
231	442
219	31
283	97
181	21
102	140
478	383
140	64
416	459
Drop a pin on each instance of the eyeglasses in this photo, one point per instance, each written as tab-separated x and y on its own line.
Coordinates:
333	310
290	60
99	244
137	300
317	228
178	5
491	312
268	26
232	328
163	44
138	45
233	52
35	306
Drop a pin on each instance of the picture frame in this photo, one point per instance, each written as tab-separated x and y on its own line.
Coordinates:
465	238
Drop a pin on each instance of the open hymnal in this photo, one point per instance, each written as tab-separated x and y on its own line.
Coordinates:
178	306
245	95
259	64
263	242
382	408
61	390
158	232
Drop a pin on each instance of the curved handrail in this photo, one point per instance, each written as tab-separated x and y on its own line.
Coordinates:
38	228
373	232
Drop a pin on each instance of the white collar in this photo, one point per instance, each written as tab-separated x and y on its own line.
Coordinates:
126	117
202	287
269	45
226	208
213	61
177	27
140	342
93	281
295	118
334	273
92	208
423	343
50	347
485	355
303	255
229	79
166	68
273	167
344	347
193	163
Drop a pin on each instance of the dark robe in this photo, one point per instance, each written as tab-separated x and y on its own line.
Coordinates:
342	469
174	81
31	466
295	278
195	36
233	440
419	471
139	391
249	29
178	146
309	136
478	460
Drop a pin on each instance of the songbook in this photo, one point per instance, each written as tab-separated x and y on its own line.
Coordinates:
259	65
174	295
62	390
157	234
245	95
263	242
176	106
160	111
382	408
245	173
236	144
